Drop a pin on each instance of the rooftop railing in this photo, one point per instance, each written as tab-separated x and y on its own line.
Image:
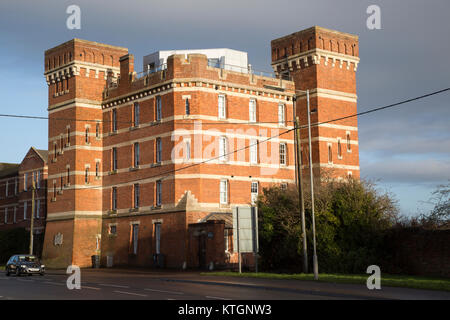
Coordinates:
150	71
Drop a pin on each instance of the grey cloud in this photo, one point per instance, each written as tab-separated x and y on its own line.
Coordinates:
407	171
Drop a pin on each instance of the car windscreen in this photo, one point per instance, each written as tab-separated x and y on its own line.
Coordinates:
27	259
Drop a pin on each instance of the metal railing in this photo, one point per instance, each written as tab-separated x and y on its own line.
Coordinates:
150	71
240	69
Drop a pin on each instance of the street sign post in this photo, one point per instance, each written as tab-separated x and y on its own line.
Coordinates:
245	229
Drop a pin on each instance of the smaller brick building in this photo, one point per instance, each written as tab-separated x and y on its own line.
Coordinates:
16	180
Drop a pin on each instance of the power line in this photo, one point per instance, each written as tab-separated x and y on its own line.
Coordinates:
162	175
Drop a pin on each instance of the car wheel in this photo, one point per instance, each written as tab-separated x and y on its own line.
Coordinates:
7	272
42	273
17	272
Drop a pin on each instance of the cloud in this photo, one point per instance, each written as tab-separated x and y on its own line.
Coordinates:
421	171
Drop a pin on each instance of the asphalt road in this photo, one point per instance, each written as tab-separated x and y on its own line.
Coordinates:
100	284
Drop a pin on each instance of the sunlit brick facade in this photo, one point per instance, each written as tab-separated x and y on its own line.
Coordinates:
141	164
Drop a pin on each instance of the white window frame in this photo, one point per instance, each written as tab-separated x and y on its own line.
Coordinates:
25	182
7	182
223	149
252	110
283	155
223	191
254	195
222	106
281	114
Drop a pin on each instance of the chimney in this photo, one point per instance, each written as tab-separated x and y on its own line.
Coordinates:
126	69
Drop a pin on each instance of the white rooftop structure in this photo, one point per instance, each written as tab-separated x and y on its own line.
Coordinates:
220	58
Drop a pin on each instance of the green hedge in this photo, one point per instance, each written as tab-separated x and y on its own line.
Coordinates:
12	242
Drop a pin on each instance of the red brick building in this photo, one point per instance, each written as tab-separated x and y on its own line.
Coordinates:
16	181
324	62
142	164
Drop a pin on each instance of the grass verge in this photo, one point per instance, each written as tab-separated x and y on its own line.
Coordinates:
388	280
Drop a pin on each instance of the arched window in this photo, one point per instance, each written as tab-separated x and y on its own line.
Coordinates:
339	149
330	154
349	146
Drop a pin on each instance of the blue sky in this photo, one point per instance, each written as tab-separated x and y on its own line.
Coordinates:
405	150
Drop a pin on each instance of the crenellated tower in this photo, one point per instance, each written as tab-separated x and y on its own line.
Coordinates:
324	62
77	72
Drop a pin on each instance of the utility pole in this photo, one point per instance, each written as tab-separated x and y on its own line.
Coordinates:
315	263
33	188
300	193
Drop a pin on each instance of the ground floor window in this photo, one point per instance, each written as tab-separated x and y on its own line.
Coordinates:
134	238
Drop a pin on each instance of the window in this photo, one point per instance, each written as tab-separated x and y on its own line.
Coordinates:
281	114
339	149
68	136
283	154
25	204
225	234
38	208
68	176
136	196
136	155
38	179
113	229
15	214
158	192
158	150
16	186
114	199
283	186
114	159
222	107
223	149
349	146
61	144
87	136
158	108
97	169
158	237
136	114
134	238
252	110
188	150
6	215
54	151
86	175
54	189
223	191
187	107
97	130
61	183
114	120
253	151
25	182
7	187
330	154
254	192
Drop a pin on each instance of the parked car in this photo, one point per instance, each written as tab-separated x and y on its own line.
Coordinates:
24	264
